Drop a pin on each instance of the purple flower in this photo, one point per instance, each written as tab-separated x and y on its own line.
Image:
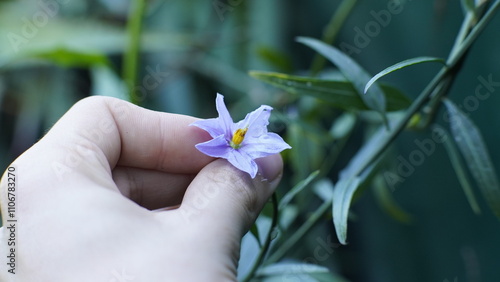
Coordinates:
242	142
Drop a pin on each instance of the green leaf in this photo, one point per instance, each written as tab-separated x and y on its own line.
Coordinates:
459	168
338	93
275	58
296	189
70	58
400	65
472	146
352	177
342	196
387	202
374	99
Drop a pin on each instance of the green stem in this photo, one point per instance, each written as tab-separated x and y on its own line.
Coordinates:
331	31
431	108
131	56
476	31
267	243
438	86
452	62
464	30
463	42
297	235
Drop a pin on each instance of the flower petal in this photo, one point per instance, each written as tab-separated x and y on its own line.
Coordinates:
243	162
212	126
256	121
225	120
216	147
265	145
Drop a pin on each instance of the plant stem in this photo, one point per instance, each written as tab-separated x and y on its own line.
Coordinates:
432	107
464	30
452	62
297	235
267	243
457	56
131	56
438	87
475	32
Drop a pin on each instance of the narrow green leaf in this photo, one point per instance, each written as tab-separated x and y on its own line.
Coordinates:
352	177
296	189
70	58
275	58
387	202
338	93
459	168
342	196
400	65
374	99
471	144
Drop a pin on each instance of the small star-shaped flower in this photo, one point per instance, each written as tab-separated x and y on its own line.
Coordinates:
242	142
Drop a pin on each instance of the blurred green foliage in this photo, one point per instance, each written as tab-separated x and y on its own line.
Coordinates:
418	226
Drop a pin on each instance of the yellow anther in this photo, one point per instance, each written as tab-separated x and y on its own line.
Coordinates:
238	137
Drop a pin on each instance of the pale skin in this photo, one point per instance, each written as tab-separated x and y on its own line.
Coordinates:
115	192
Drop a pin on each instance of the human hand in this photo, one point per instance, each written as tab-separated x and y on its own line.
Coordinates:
87	196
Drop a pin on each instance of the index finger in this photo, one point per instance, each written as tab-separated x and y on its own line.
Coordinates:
120	133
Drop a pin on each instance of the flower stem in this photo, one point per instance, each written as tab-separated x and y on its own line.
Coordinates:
297	235
131	56
267	243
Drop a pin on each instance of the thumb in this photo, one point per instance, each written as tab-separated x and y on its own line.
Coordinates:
229	199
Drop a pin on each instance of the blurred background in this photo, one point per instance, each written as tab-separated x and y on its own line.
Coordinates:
55	52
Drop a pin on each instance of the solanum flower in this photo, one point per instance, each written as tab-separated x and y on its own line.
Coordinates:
242	142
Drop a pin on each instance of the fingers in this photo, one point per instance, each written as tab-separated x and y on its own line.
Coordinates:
114	132
226	198
151	189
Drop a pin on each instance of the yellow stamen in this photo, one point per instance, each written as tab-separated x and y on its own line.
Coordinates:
238	137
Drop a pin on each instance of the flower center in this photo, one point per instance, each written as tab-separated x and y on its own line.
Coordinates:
238	137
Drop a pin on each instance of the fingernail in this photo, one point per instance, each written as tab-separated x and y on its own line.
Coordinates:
270	167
